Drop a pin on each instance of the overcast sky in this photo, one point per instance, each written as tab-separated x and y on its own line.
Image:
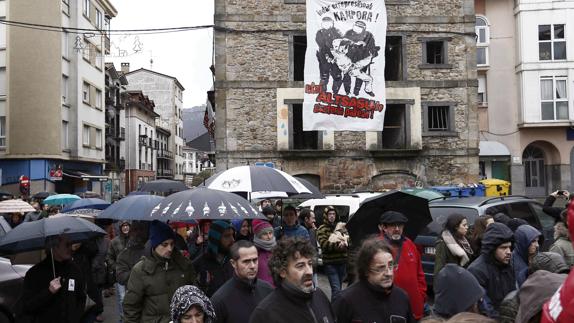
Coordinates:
185	55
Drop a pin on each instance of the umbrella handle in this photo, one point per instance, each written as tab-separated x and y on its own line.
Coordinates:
53	266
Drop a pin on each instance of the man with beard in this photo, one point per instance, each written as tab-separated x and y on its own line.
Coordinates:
238	297
324	39
492	268
373	298
363	47
213	267
409	274
295	299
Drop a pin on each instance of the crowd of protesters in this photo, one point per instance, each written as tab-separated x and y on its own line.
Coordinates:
266	271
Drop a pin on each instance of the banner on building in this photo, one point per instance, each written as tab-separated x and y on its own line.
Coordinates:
345	65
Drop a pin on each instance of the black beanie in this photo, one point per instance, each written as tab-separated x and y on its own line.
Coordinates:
159	232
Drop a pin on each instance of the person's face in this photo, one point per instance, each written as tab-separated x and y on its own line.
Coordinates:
265	203
267	236
246	266
357	29
36	206
462	228
326	24
125	229
310	221
381	270
331	216
165	249
15	218
227	239
393	230
63	250
244	231
503	252
299	272
278	207
533	248
489	222
194	315
290	218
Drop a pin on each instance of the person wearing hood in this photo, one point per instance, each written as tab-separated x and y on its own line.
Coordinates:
450	301
242	229
334	251
452	246
492	268
295	299
271	216
190	305
155	278
264	241
213	267
373	298
238	297
526	246
291	226
562	243
117	245
409	273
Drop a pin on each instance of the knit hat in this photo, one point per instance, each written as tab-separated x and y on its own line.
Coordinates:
268	210
214	235
159	232
450	299
187	296
549	261
514	223
260	227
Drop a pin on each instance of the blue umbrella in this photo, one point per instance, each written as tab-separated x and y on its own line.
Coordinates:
61	199
138	193
88	203
135	207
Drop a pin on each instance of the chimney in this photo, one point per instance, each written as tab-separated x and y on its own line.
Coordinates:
125	68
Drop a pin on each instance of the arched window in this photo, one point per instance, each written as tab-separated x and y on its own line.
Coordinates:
482	40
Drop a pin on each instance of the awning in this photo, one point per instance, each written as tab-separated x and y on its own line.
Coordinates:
85	176
492	148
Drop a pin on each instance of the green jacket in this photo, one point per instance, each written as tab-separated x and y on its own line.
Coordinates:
151	285
443	256
330	252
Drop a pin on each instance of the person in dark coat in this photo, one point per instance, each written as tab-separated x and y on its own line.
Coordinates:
242	229
238	297
272	216
213	267
373	298
456	291
525	247
492	268
190	305
480	225
549	208
295	299
117	245
324	39
291	226
58	294
363	47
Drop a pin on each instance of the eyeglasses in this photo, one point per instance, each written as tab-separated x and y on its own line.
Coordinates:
383	269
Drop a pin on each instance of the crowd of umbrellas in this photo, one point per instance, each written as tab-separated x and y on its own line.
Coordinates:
225	195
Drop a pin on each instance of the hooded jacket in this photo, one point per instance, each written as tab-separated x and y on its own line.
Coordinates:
496	278
562	244
117	245
450	300
151	286
523	237
127	259
535	291
236	299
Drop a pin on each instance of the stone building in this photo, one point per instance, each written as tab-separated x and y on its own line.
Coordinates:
431	124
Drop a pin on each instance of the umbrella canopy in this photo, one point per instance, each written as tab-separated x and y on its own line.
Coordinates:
204	203
61	199
138	193
315	193
88	213
4	226
10	206
87	203
163	186
249	179
135	207
30	236
424	193
88	194
366	220
42	195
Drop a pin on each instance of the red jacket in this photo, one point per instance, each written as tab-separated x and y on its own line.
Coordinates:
409	275
560	308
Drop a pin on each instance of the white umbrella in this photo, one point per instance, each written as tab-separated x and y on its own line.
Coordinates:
11	206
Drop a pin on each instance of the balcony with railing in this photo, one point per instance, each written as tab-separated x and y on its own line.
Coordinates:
164	154
165	173
143	140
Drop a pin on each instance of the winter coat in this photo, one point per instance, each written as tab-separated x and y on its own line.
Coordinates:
39	305
211	272
332	253
263	271
294	231
535	291
126	260
236	299
444	255
409	275
456	290
99	261
562	244
523	237
363	302
551	210
117	245
288	305
496	278
151	286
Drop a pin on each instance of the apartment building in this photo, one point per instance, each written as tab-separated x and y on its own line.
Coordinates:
52	94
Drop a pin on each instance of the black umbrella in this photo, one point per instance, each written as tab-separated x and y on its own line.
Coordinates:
315	193
135	207
204	203
42	195
163	186
366	220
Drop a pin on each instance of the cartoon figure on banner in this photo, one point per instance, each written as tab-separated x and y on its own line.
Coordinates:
364	49
324	38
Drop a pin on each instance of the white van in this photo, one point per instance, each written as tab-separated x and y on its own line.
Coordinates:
345	204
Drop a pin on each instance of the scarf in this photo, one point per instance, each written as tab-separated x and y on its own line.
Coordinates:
460	248
264	244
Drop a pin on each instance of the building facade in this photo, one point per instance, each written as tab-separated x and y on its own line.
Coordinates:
528	73
52	94
165	157
431	122
167	93
141	150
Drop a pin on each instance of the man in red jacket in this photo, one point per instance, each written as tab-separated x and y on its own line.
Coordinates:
560	308
409	273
